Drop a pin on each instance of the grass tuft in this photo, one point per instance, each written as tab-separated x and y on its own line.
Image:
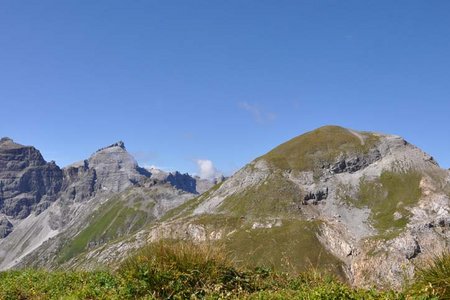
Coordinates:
433	279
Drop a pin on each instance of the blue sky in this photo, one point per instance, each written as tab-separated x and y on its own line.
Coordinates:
226	81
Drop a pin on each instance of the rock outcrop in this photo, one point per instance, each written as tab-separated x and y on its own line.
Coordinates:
5	227
183	182
27	182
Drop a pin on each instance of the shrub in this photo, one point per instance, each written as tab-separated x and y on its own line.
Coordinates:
181	270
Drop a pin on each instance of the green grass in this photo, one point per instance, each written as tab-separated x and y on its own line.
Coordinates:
174	270
291	247
182	270
391	193
275	197
37	284
320	147
433	278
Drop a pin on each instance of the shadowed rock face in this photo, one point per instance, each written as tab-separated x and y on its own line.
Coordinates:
183	182
5	227
27	182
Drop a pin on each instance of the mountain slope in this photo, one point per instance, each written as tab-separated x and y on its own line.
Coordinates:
365	205
48	214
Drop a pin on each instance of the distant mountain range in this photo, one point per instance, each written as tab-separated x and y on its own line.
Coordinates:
40	202
366	206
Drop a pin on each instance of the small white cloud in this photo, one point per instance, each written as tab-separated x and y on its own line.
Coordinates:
258	115
152	167
156	169
206	169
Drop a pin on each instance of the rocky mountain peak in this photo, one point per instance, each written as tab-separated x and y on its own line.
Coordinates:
5	140
7	143
118	144
109	169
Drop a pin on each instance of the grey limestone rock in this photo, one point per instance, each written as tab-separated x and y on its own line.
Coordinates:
109	170
355	163
5	227
26	179
115	169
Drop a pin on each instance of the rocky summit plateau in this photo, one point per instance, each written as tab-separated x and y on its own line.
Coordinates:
368	207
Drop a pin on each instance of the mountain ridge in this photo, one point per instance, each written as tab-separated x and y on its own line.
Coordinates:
375	237
61	209
366	206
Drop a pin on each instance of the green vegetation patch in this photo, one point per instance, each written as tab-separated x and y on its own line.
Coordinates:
112	220
312	150
176	270
390	194
292	247
33	284
277	196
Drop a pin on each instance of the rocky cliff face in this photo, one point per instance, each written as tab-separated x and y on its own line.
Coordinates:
27	182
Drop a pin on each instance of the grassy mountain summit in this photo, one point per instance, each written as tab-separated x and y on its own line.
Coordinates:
318	147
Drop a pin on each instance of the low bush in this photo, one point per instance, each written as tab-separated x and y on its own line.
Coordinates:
183	270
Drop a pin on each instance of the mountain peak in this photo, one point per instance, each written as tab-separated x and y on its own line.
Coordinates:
5	139
322	145
118	144
7	142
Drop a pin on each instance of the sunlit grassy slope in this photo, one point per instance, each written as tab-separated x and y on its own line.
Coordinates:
315	148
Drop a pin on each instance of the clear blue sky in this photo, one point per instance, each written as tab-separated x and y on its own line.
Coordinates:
220	80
